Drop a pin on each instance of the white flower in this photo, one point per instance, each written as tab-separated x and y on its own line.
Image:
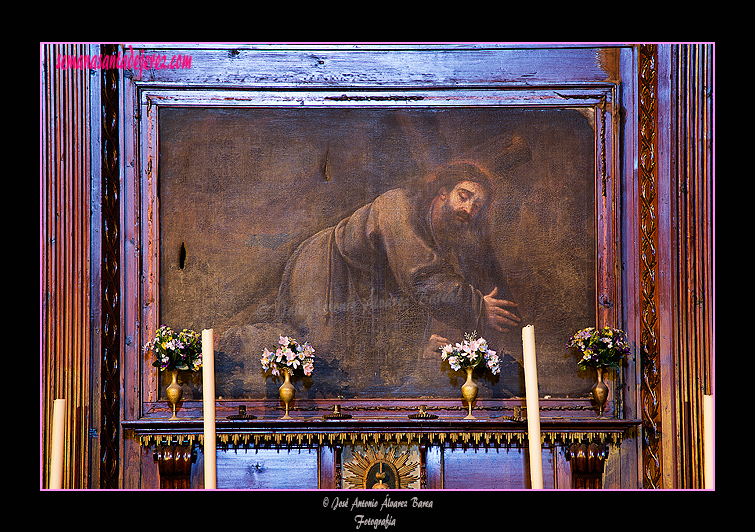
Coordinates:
289	354
266	357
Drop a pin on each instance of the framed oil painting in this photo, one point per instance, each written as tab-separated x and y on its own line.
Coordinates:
378	232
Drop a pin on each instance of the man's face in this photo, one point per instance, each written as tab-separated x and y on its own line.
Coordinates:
458	212
464	203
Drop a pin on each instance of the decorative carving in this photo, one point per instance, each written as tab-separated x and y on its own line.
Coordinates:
381	469
338	450
484	438
68	199
587	461
648	268
174	461
110	270
423	467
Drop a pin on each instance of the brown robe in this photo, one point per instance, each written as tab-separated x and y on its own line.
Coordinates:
369	292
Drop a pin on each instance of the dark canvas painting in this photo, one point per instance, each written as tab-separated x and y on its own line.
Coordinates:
375	233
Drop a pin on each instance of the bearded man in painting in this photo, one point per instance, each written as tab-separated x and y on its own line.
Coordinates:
381	291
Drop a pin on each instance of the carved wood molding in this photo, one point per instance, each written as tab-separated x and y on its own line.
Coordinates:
110	272
272	433
650	387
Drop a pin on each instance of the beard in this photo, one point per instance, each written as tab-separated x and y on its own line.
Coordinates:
457	230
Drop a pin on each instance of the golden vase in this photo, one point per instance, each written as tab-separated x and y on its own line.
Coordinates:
286	392
469	392
174	392
600	392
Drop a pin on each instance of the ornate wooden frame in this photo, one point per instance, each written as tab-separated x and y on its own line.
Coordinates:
148	95
603	99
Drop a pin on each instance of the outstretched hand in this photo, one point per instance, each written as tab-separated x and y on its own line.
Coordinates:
433	345
496	314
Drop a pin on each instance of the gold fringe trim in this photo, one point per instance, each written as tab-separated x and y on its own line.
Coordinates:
309	439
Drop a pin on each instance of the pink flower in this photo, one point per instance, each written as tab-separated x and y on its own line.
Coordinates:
290	355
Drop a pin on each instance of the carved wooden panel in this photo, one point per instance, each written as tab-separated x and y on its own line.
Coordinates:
110	271
648	260
675	227
65	242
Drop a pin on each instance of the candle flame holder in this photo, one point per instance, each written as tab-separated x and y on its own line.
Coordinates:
337	414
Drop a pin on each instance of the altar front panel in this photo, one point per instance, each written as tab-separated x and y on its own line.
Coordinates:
287	469
464	469
404	455
494	468
459	469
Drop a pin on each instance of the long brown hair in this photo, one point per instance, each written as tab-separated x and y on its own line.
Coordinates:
427	188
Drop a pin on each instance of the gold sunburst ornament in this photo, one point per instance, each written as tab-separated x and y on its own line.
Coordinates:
381	469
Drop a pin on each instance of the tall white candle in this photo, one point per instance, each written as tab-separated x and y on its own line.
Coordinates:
58	441
533	406
208	408
708	445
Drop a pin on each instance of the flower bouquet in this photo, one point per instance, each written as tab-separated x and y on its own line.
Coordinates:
289	358
467	355
174	351
470	353
601	349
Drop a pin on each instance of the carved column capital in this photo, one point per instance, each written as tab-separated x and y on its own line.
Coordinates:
587	461
174	464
